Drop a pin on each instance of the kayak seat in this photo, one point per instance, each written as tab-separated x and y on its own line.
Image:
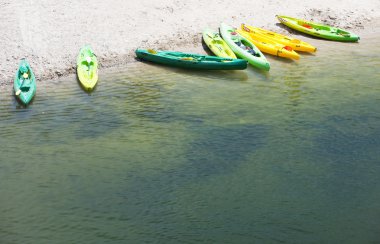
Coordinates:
25	88
251	51
84	63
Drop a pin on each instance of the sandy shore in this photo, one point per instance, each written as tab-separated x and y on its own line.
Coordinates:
49	33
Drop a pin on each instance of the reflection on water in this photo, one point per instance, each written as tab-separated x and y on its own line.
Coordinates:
158	154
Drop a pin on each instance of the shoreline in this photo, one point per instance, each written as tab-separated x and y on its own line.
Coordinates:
51	38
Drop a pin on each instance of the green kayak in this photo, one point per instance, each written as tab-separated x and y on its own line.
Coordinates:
319	30
216	44
24	83
190	61
243	48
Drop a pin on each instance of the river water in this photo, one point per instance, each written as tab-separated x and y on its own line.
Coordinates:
164	155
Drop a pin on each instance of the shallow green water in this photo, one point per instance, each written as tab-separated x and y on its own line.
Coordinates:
170	156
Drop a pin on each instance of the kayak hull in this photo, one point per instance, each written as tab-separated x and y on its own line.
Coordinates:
267	45
295	44
190	61
27	87
318	30
217	45
246	48
87	72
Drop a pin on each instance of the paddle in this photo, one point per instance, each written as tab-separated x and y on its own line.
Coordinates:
25	76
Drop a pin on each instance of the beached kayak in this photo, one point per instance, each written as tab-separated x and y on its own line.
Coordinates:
87	68
319	30
243	48
266	44
25	83
217	45
190	61
294	43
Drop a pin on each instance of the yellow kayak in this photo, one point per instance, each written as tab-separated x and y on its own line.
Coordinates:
87	68
296	44
266	44
217	45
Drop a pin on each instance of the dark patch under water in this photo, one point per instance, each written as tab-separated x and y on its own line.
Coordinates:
348	138
214	151
218	150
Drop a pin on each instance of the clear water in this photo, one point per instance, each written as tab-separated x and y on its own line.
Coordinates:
164	155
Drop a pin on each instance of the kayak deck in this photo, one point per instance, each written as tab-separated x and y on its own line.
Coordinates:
318	30
243	48
25	88
189	60
267	45
87	68
217	45
294	43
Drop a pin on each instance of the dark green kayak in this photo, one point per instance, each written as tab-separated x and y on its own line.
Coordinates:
190	61
25	83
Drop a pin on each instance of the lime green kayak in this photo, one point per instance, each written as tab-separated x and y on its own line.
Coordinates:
25	83
319	30
217	45
243	48
190	60
87	68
